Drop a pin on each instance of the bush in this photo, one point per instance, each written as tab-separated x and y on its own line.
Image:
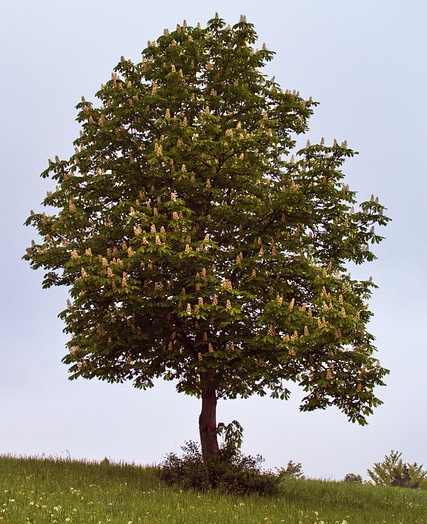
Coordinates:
231	473
293	470
188	471
392	471
353	477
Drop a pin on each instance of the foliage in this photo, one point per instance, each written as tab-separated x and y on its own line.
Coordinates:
292	470
192	240
231	472
353	477
392	471
189	471
239	475
232	437
42	491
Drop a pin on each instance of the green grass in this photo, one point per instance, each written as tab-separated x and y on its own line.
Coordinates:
61	491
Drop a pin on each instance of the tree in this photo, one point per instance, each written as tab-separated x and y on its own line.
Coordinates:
392	471
196	248
353	477
292	471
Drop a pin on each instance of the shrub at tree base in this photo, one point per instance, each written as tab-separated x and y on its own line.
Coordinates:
239	475
230	472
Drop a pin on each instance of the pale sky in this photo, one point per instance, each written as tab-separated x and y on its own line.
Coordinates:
365	63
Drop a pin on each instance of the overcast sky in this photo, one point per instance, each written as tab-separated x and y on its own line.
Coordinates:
365	63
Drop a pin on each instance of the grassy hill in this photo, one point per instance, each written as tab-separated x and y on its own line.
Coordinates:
62	491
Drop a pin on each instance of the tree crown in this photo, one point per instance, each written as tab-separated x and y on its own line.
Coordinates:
193	243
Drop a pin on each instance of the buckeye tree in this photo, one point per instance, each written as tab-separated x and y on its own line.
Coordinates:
197	248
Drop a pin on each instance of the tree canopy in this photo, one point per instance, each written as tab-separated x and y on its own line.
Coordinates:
197	241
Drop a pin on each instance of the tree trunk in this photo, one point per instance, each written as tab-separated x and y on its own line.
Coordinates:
207	419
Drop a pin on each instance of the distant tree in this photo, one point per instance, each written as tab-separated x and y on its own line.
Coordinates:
353	477
293	470
196	248
392	471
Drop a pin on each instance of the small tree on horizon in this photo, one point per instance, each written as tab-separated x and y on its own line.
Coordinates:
392	471
196	248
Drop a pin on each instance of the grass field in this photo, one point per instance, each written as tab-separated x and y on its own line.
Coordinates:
62	491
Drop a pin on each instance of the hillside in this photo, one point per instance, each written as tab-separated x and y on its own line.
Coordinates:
62	491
